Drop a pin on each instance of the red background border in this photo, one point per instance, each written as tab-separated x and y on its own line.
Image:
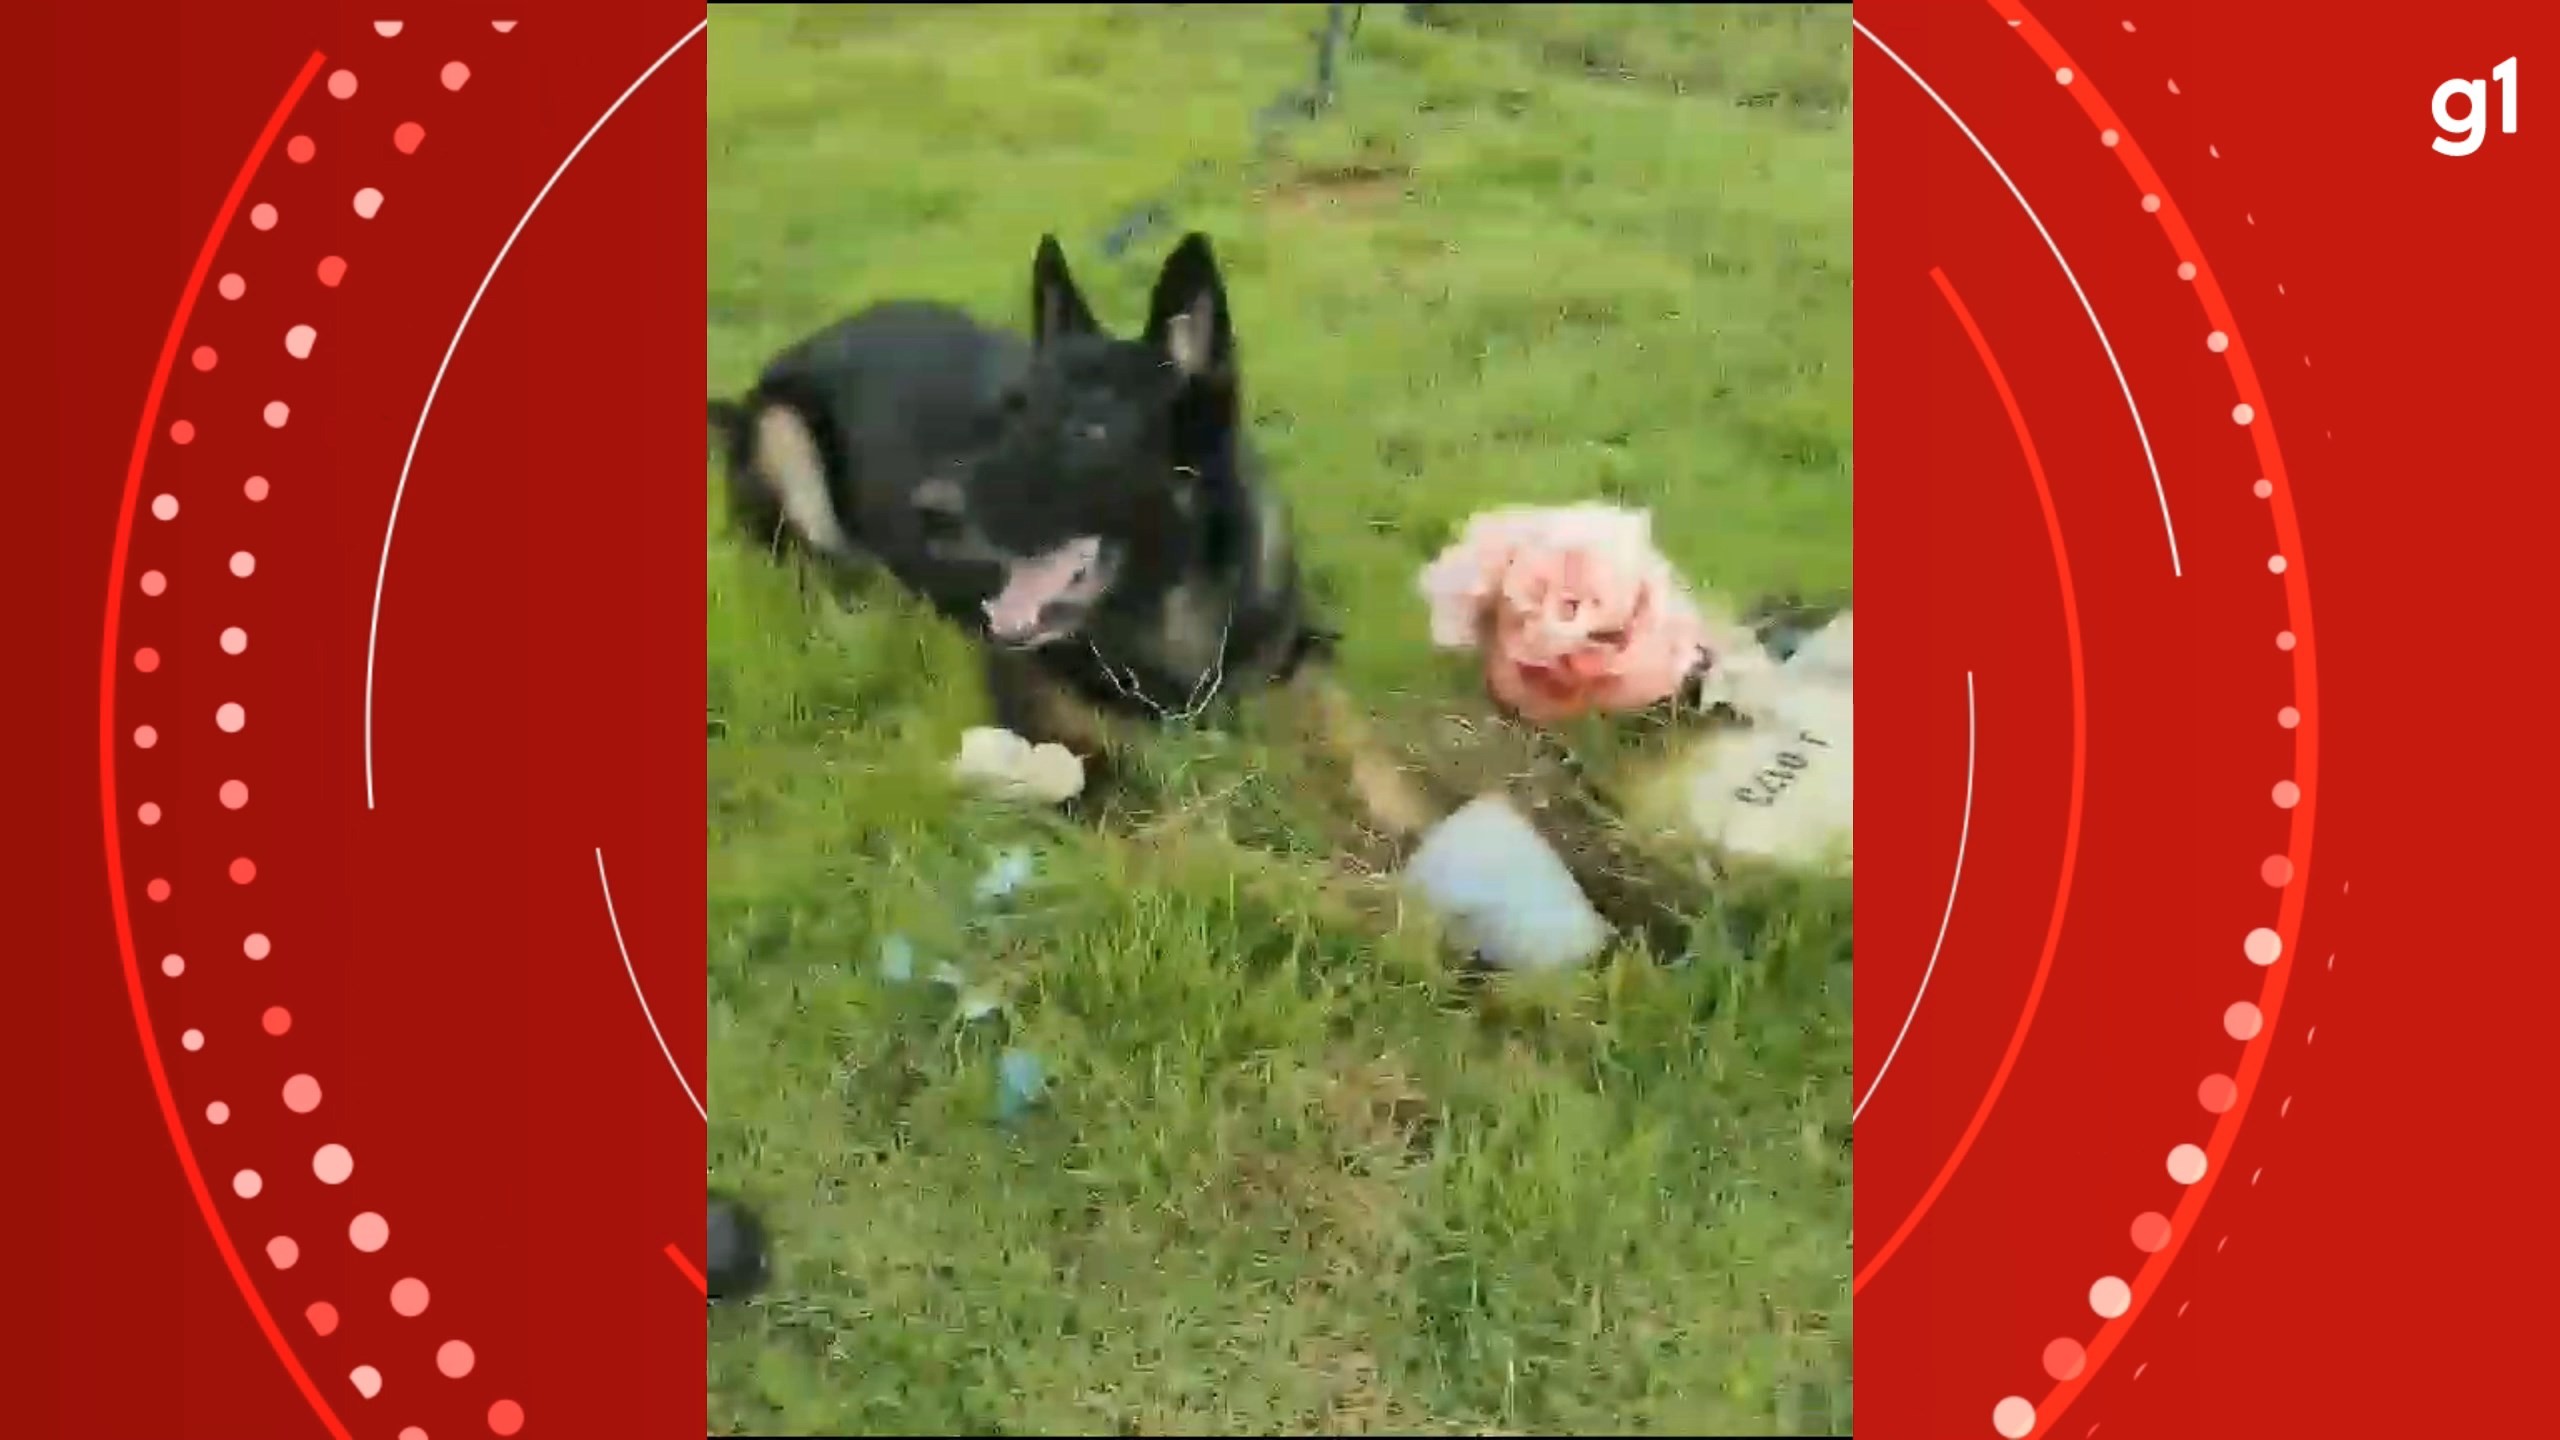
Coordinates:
444	963
2368	1253
501	1081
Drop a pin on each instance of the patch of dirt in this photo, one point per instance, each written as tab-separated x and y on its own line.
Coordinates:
1377	1110
1814	92
1322	1206
1401	767
1642	886
1356	1402
1360	185
1341	1203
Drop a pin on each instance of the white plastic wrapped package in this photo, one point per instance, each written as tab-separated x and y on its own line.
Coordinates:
1779	789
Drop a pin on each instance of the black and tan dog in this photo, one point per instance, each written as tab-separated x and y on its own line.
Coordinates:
1090	508
1088	505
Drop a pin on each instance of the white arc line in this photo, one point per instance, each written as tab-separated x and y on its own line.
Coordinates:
645	1013
373	627
1963	834
2140	433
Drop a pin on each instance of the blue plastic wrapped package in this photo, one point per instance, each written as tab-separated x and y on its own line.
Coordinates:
897	959
1503	892
1009	871
1020	1083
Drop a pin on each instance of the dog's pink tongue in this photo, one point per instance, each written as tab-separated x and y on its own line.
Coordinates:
1031	586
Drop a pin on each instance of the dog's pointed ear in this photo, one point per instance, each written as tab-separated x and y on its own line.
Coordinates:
1187	318
1057	307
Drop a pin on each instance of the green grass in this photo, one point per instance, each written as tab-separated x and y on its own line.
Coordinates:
1290	1174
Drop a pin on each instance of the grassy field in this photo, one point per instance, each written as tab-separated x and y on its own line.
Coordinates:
1288	1173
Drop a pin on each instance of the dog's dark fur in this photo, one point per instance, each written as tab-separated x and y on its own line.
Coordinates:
954	456
735	1258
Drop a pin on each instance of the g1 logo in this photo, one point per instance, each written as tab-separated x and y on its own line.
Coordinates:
2464	134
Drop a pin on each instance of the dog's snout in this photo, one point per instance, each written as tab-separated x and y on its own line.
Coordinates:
941	500
1052	620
